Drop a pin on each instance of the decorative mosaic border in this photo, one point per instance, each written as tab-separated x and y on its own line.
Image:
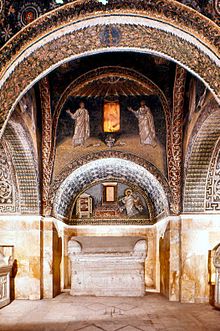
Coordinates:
168	11
92	221
25	168
15	14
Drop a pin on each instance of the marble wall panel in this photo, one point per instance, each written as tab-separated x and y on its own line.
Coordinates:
24	234
199	234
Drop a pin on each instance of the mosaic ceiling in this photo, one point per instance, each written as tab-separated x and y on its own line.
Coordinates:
14	15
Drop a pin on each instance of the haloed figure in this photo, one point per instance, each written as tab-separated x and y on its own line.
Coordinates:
146	124
82	129
132	204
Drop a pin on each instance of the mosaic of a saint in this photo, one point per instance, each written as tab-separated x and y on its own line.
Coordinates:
133	205
145	124
82	128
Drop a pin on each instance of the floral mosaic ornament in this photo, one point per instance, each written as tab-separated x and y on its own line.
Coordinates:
29	13
18	14
6	33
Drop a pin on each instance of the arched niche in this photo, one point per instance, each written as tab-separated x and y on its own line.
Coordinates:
130	87
107	169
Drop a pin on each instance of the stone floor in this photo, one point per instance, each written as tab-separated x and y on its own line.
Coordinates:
152	312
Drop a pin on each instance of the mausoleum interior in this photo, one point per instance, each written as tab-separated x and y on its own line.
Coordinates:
110	152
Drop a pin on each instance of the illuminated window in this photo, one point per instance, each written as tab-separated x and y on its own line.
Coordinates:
109	192
111	116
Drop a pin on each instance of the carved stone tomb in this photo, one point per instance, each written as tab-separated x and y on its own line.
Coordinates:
107	266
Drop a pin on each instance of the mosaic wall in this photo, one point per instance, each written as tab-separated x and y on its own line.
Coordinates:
212	202
161	40
196	184
25	167
116	35
16	14
129	204
108	169
8	197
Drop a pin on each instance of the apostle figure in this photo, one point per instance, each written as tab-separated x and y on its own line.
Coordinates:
146	124
132	204
82	129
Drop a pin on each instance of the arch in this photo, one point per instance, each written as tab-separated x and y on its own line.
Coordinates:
24	165
166	28
197	193
144	83
106	169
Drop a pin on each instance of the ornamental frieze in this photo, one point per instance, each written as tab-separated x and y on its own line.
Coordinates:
7	186
170	11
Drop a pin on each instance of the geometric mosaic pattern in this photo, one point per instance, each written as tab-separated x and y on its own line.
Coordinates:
8	197
195	192
213	181
25	168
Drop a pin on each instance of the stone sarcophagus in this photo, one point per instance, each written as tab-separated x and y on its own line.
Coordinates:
107	266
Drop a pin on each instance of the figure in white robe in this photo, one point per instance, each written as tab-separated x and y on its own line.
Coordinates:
132	204
146	124
82	129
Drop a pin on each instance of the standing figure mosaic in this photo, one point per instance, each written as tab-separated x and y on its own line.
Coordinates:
146	124
82	128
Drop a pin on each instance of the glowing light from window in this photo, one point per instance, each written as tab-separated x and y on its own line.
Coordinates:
111	116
